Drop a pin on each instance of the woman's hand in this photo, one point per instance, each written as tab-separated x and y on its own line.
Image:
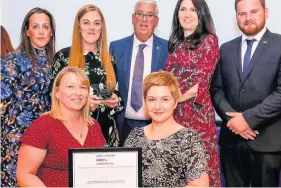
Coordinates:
112	102
192	92
95	101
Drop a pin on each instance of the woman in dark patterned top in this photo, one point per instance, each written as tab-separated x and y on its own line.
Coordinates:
25	78
173	156
89	51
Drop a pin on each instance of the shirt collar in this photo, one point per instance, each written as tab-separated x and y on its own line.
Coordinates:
137	42
86	52
257	37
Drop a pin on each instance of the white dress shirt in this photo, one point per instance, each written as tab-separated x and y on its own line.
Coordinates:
147	52
255	44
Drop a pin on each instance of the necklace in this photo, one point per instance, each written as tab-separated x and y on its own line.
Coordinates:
81	135
91	54
70	128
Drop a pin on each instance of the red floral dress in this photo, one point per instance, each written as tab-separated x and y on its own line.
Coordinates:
192	67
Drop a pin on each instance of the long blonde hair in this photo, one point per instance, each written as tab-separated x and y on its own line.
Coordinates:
77	59
54	112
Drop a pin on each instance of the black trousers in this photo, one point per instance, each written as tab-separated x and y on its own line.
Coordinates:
244	167
129	125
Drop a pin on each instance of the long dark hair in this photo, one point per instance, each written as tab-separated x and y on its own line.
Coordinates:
25	44
205	26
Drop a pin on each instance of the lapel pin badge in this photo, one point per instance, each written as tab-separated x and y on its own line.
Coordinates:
264	42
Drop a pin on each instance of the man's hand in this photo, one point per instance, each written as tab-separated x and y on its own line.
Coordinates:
237	123
249	134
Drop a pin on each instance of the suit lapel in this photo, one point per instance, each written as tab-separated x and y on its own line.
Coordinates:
237	57
156	49
127	60
261	48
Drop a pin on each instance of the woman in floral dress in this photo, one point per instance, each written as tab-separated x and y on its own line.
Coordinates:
193	55
25	78
89	52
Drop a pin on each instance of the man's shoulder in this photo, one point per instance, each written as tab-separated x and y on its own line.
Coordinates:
120	41
275	35
232	42
160	39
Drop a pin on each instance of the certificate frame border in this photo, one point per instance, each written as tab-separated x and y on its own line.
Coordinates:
72	151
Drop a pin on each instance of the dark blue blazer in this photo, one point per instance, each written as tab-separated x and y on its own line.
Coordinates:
121	50
257	95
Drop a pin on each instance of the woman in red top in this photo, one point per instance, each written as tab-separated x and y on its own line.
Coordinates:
193	55
43	155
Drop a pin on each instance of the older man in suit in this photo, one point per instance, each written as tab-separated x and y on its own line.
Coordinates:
246	93
136	56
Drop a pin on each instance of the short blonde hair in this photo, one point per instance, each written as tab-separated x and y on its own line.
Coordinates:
162	78
54	112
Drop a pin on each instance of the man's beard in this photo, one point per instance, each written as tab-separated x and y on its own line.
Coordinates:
254	29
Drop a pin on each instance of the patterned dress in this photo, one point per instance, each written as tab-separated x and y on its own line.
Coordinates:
191	67
24	97
170	162
97	75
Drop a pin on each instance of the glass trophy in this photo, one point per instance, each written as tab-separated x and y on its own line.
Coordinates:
101	91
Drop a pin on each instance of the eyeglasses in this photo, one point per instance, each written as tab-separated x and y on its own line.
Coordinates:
141	15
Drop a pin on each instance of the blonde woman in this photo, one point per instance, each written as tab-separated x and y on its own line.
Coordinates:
43	155
89	51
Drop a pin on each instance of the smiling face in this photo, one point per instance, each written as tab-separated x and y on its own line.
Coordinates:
251	16
160	104
39	30
90	26
144	27
72	93
188	17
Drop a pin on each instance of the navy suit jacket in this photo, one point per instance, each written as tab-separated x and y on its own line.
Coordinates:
257	95
121	50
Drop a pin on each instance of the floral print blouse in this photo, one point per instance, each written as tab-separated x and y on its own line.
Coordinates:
24	97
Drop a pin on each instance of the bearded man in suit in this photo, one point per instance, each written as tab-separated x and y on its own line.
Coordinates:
246	93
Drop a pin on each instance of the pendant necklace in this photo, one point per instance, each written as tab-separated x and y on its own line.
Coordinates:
80	134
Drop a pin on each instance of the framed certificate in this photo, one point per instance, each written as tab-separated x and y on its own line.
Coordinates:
105	167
